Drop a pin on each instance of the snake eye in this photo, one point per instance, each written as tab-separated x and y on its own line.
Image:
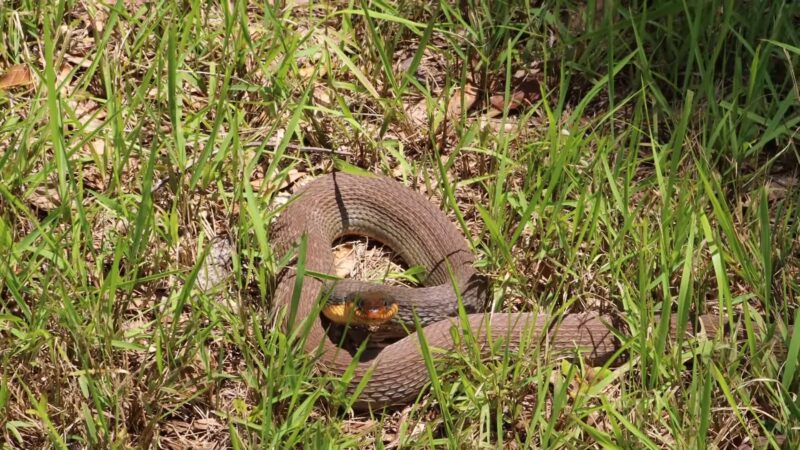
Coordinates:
356	300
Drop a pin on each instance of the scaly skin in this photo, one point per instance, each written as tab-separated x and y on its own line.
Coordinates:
341	204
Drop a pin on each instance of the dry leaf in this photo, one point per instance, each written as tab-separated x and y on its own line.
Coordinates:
308	70
81	61
44	198
16	75
524	92
63	79
455	106
87	113
779	186
93	178
322	96
345	260
417	113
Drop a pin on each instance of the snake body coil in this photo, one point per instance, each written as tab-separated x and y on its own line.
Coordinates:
341	204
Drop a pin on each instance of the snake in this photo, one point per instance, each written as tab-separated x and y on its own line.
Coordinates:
445	311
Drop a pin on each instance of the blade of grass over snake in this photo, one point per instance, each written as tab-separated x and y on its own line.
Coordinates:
300	272
433	375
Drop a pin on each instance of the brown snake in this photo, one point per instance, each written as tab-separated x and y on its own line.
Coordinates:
340	204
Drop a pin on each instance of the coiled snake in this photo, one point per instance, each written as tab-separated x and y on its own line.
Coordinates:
342	204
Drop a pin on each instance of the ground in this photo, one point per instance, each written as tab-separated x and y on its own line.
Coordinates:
623	157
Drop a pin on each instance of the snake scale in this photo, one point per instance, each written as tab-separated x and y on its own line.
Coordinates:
341	204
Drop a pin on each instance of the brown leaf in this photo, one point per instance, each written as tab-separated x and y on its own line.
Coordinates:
16	75
77	60
524	92
455	105
322	96
345	260
44	198
417	113
498	101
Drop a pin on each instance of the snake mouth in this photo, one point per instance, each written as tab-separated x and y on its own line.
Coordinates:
363	310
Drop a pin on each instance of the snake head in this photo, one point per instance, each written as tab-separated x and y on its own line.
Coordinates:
366	308
374	306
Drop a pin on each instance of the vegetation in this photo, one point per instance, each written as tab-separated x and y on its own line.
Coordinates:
631	157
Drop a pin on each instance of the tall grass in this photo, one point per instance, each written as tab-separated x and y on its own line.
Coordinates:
653	170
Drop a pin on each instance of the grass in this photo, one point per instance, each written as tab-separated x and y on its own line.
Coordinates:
651	165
